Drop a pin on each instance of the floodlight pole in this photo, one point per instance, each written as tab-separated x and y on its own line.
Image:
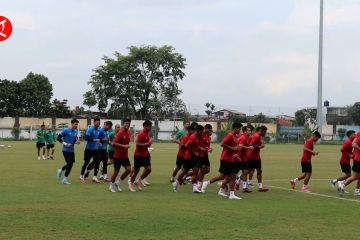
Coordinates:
319	120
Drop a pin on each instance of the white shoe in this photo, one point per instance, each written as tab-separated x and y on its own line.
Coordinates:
174	185
43	158
118	185
112	187
95	180
234	197
222	193
204	186
356	193
145	183
101	177
341	187
39	158
196	189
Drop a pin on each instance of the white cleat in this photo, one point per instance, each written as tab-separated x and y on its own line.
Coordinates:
356	193
145	183
43	158
204	186
234	197
112	187
95	180
196	190
174	185
118	185
39	158
222	193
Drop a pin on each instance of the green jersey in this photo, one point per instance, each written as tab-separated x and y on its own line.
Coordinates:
112	135
180	134
50	137
40	136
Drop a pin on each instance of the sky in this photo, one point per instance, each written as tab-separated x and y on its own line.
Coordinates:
248	55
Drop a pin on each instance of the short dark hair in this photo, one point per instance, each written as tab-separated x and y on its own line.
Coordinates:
147	123
236	125
349	133
96	119
108	123
126	120
194	124
250	126
199	128
317	133
263	128
186	121
74	120
208	126
191	128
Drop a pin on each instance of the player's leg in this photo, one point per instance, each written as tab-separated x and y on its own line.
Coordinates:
305	187
232	180
52	152
146	172
104	159
47	151
87	158
113	187
127	166
43	152
96	160
357	189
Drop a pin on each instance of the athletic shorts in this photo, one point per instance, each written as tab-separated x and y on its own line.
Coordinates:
306	167
103	155
227	168
204	161
254	164
50	146
69	157
356	167
142	162
40	145
111	154
189	163
241	166
118	162
179	161
345	168
88	154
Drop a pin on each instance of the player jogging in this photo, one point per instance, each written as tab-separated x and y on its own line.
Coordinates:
40	142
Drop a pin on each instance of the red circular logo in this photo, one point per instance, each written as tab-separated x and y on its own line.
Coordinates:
5	28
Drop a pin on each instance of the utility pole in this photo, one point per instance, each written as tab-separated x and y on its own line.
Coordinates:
319	121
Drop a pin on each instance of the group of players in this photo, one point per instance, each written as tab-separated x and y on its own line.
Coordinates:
239	160
45	139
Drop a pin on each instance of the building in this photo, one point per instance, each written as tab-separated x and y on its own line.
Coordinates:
225	114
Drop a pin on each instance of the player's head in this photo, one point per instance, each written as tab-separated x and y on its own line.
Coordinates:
262	130
96	122
247	129
108	125
42	126
208	129
117	127
316	135
351	134
199	129
49	128
147	125
191	129
74	123
236	127
250	126
186	124
126	123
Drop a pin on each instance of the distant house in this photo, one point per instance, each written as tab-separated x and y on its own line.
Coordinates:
285	120
227	113
336	115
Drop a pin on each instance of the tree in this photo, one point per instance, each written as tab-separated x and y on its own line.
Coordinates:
341	133
60	109
209	109
354	113
260	118
10	104
89	99
305	116
140	80
35	94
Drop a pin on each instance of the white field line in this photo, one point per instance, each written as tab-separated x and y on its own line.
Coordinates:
288	180
315	194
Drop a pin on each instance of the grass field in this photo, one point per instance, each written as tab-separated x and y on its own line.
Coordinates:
34	205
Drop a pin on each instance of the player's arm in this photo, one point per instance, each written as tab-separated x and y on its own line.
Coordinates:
139	143
313	152
225	145
60	139
177	138
89	138
355	144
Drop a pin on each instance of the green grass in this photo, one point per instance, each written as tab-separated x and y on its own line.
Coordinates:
34	205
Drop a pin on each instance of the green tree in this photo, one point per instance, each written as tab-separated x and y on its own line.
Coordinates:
140	80
341	133
89	99
60	109
10	104
210	108
304	116
35	95
260	118
354	113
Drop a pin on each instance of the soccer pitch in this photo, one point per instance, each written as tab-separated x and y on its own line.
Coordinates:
34	205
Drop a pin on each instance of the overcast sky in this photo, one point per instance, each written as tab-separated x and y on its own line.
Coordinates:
249	55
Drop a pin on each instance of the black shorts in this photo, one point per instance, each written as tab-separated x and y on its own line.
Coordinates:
179	161
50	146
142	162
103	155
241	166
345	168
118	162
40	145
356	167
69	157
204	161
306	167
88	154
189	163
254	164
227	168
111	154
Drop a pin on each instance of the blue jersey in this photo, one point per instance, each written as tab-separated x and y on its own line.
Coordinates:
69	136
92	133
104	135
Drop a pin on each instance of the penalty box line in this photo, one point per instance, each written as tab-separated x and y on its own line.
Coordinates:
315	194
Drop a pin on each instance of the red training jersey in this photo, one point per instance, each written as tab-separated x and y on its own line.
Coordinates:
142	151
181	151
254	154
243	140
192	150
346	150
204	142
357	151
306	157
227	154
122	137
